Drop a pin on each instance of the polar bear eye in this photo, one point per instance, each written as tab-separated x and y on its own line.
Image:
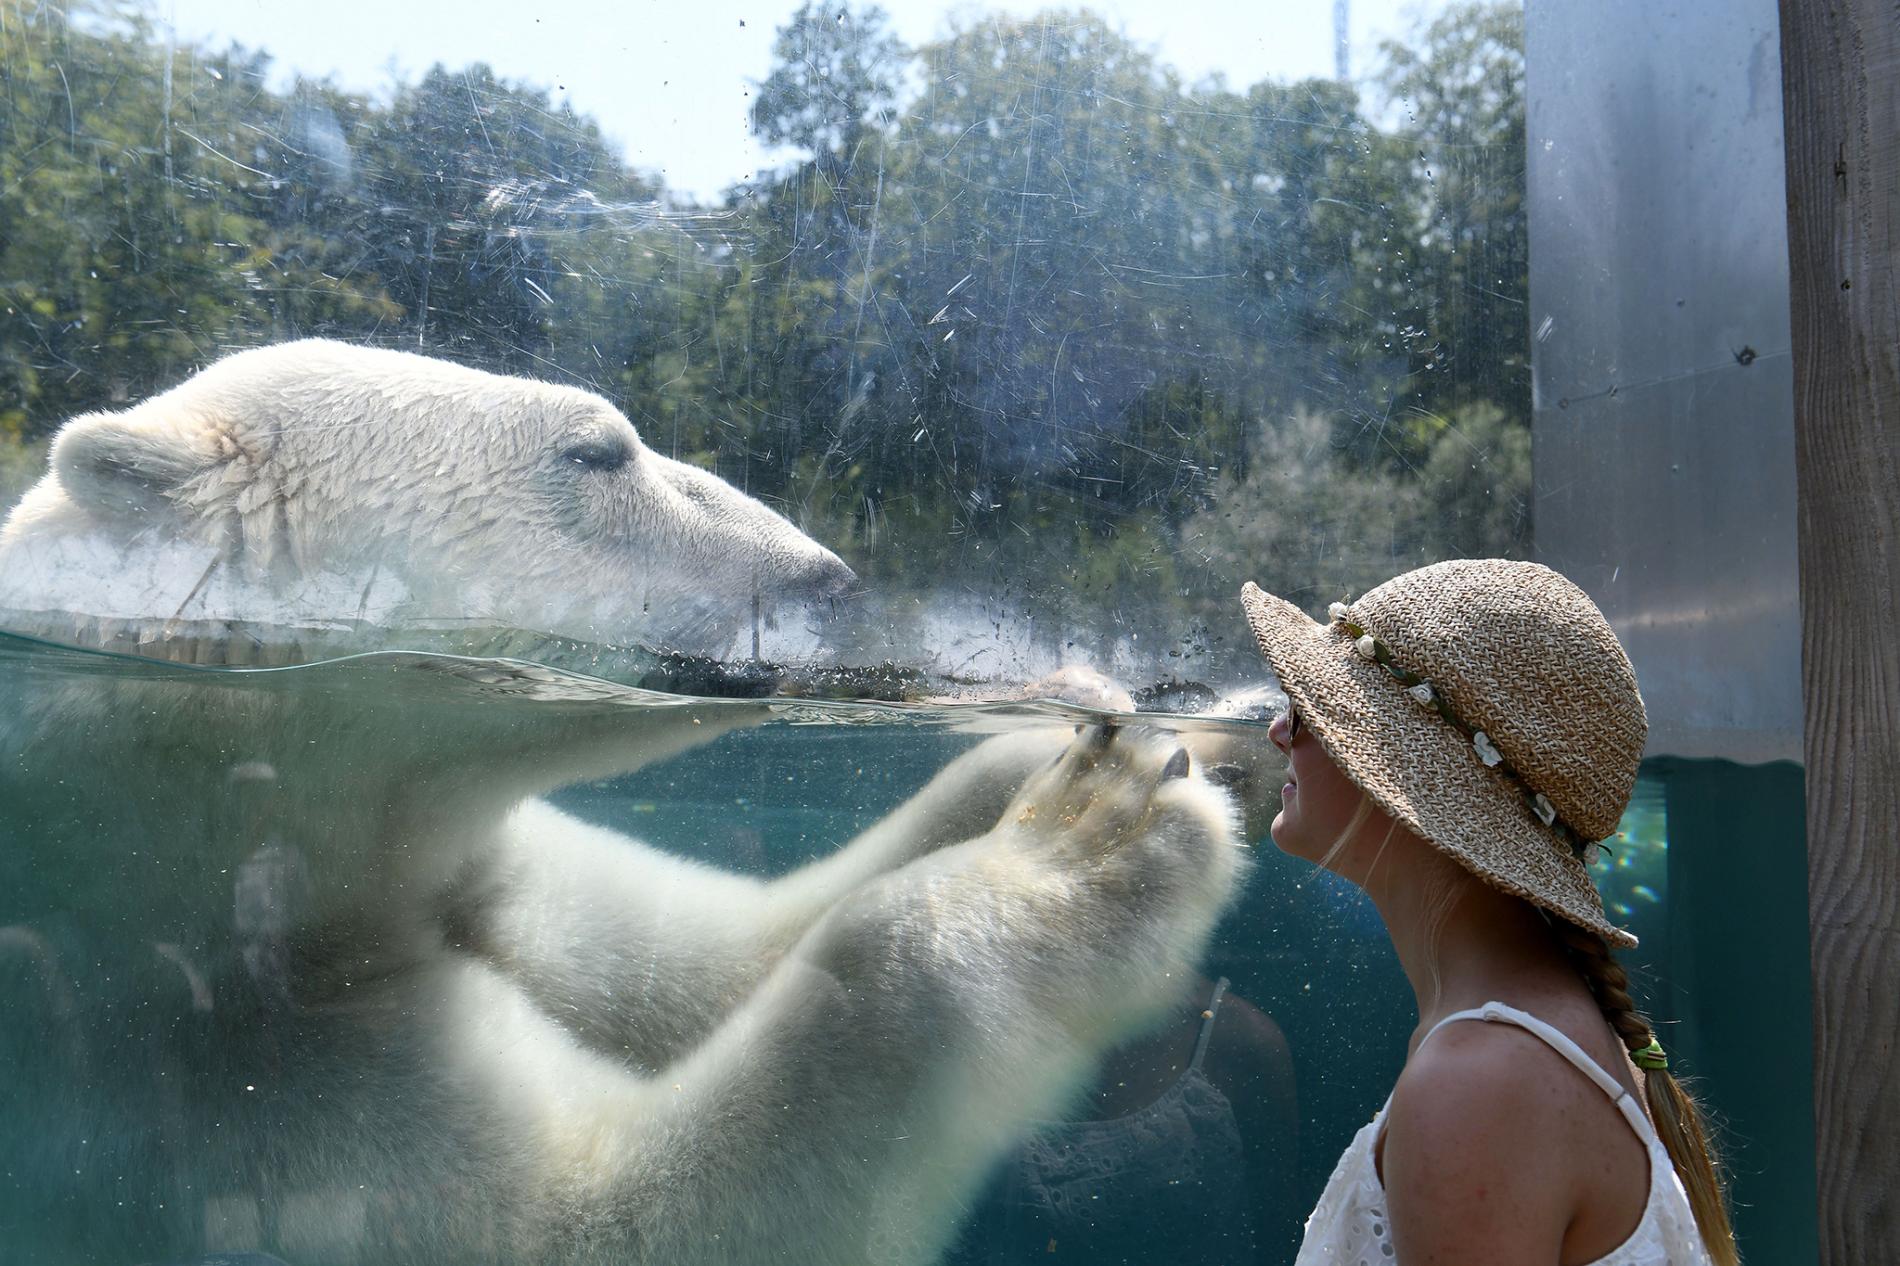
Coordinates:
597	454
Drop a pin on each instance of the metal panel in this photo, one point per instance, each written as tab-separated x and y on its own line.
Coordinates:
1663	426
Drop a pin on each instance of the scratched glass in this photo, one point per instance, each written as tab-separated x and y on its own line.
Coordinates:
907	388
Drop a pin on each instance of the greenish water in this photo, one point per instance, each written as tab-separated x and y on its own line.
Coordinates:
1726	959
187	1031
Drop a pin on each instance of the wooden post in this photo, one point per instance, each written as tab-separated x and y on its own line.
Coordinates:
1841	88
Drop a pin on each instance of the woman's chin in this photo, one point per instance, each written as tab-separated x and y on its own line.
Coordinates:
1290	836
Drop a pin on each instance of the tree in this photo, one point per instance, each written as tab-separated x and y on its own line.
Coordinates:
835	72
1465	322
139	227
124	243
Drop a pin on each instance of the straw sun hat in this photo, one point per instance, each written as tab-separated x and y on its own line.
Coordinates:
1483	703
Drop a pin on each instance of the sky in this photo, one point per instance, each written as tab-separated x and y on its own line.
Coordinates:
669	80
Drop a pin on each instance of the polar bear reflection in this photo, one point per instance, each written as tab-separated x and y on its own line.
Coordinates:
545	1039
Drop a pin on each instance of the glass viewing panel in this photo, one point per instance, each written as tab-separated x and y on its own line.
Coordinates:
534	776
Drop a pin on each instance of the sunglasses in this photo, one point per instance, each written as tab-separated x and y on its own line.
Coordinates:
1292	721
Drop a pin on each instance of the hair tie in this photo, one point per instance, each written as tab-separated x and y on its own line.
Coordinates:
1651	1058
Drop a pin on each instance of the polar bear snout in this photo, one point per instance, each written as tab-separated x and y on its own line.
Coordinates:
823	580
744	547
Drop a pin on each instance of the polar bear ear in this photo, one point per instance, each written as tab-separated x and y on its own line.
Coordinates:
113	464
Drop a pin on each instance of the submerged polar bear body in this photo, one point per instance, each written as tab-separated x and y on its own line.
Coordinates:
880	1057
452	1022
321	481
495	1032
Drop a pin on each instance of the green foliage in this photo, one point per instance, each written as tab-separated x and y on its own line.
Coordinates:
1024	310
140	229
20	467
1464	327
1305	522
1311	524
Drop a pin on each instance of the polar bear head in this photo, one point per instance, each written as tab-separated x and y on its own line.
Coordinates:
316	481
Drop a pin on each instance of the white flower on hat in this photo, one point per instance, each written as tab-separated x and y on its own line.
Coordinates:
1367	646
1421	692
1487	751
1545	810
1337	612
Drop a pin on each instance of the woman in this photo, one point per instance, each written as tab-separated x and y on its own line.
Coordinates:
1457	740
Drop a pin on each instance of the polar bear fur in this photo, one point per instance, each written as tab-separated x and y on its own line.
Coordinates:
474	1027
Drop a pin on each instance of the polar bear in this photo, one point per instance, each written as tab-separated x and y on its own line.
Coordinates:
315	482
454	1023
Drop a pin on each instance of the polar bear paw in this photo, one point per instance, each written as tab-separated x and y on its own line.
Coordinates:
1110	788
1141	847
1137	853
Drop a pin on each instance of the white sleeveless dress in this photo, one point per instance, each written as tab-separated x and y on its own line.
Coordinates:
1349	1225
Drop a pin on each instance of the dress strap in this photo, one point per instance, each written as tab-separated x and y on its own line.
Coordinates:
1207	1023
1499	1013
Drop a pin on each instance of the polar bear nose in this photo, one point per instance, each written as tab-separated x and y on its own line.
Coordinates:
823	579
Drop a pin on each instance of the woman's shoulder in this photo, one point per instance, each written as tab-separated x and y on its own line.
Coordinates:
1494	1137
1475	1150
1494	1084
1474	1072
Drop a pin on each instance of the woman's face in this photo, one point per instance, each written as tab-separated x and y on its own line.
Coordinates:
1318	802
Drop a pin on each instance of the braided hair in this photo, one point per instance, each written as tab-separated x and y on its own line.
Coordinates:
1672	1109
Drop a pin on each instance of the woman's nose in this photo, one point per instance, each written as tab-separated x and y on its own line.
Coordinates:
1281	732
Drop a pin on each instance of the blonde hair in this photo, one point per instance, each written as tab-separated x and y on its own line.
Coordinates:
1442	896
1672	1108
1361	812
